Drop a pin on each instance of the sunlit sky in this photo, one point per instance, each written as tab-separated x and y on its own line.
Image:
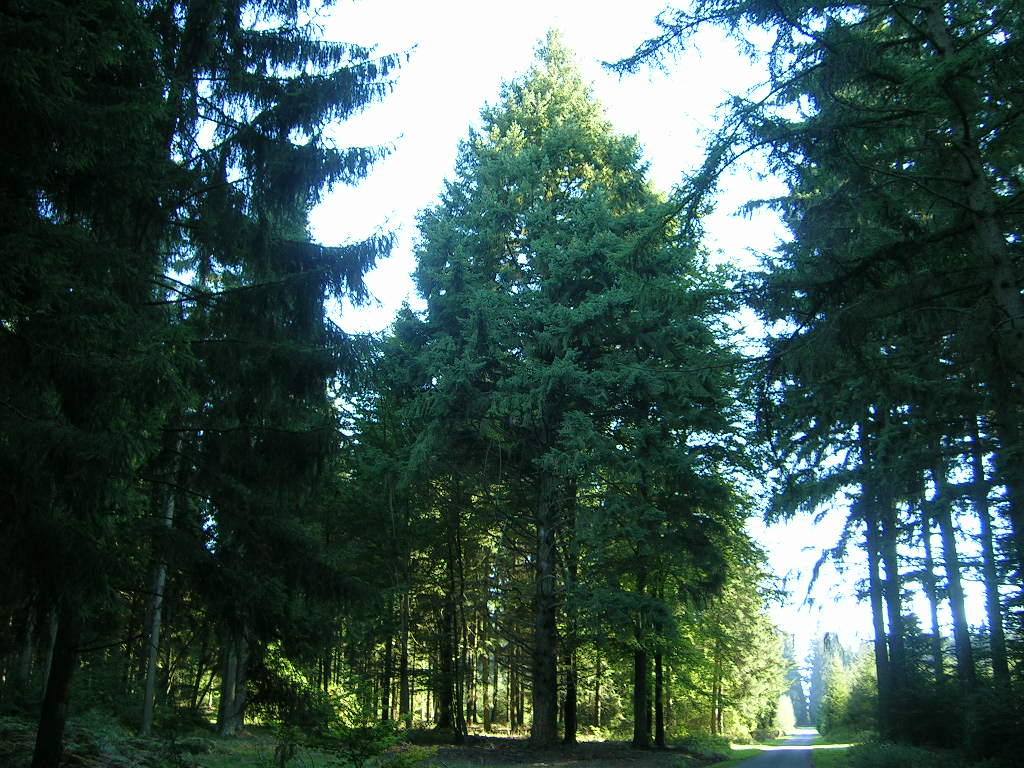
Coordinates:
460	52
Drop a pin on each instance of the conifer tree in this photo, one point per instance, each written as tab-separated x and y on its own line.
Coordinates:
896	309
572	334
145	141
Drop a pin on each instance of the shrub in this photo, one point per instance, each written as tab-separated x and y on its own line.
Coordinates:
995	727
358	744
897	756
711	748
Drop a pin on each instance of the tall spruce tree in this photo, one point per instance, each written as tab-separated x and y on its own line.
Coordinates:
572	333
896	309
141	139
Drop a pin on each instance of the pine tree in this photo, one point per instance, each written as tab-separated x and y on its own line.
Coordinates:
573	338
896	308
146	141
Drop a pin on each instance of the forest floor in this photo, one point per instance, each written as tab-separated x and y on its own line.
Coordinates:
99	743
505	752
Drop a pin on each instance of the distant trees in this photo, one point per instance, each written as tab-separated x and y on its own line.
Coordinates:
843	688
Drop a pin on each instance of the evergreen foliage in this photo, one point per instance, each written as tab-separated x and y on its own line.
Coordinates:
520	509
159	163
563	310
894	313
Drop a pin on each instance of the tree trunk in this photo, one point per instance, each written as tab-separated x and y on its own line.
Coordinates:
544	726
229	668
659	702
51	644
893	593
980	204
197	682
328	665
715	719
234	683
641	705
63	660
570	723
961	631
1010	466
509	698
597	691
485	680
445	669
929	582
157	604
990	573
571	614
641	694
404	697
494	688
886	721
385	678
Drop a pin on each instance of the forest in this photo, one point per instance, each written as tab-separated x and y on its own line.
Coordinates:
521	511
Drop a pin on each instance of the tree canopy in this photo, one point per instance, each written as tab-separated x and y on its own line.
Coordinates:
522	507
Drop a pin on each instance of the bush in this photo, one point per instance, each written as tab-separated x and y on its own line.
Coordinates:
995	727
897	756
179	722
711	748
97	731
358	744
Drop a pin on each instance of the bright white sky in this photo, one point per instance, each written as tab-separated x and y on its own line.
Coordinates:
461	51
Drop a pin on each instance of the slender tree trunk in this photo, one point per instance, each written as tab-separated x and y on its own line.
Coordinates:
385	678
957	603
51	645
509	698
659	702
404	697
990	573
50	735
485	680
471	668
882	668
1010	466
929	582
715	718
893	593
197	683
157	604
544	727
445	668
494	688
570	708
571	639
463	670
597	691
328	665
641	694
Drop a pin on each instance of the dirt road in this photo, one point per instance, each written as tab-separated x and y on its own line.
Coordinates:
795	753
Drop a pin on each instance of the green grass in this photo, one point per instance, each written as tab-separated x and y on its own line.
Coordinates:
836	756
741	752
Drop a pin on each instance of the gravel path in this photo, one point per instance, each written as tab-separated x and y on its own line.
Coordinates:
795	753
